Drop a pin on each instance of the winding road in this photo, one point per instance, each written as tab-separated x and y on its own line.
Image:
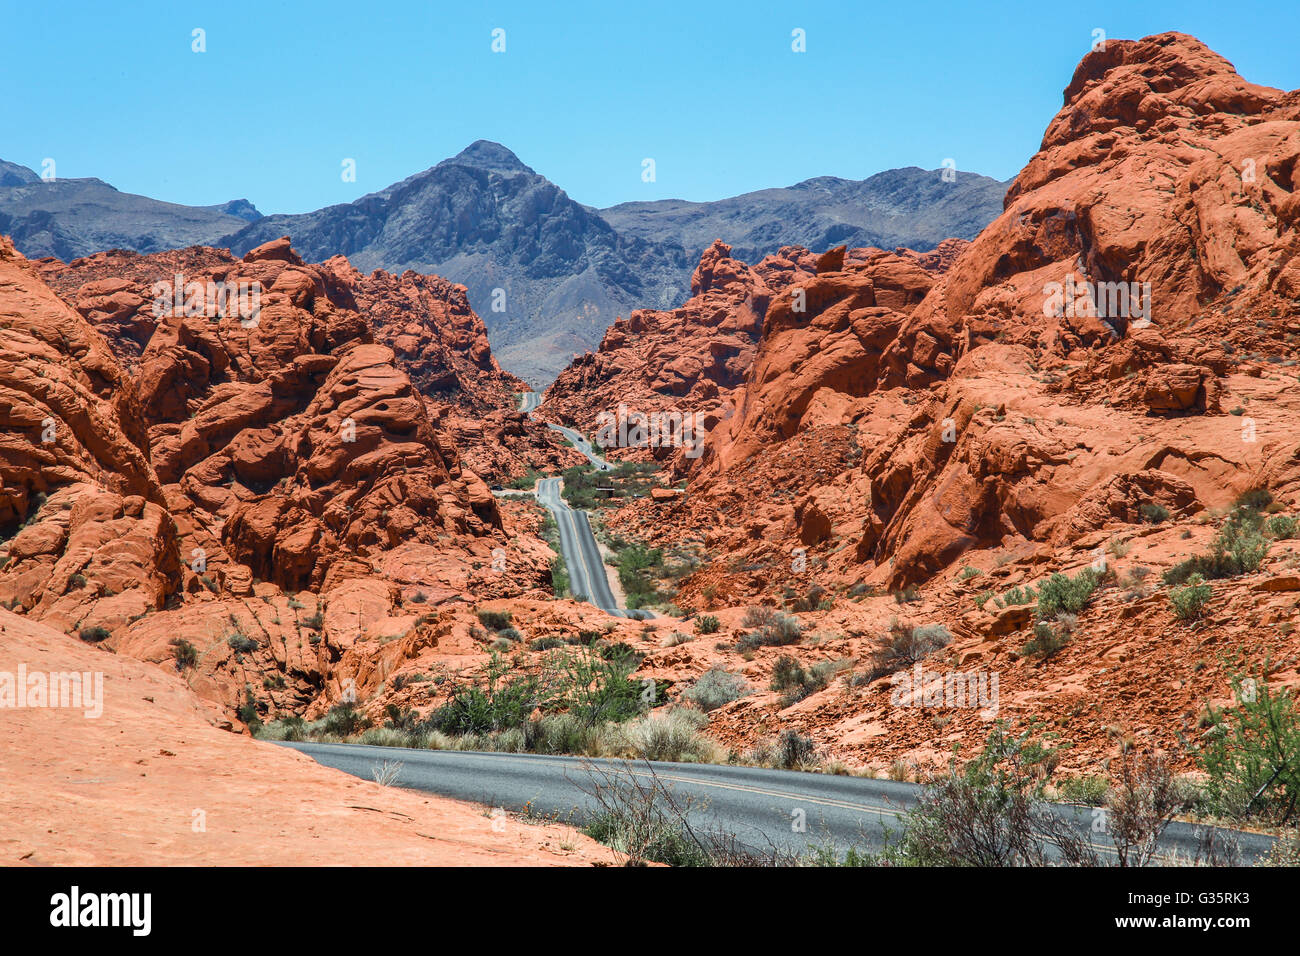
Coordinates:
587	576
783	809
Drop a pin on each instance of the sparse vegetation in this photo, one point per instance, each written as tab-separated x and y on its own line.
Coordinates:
716	687
707	624
185	654
1069	594
1189	601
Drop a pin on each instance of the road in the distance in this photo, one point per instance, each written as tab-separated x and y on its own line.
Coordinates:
587	575
787	810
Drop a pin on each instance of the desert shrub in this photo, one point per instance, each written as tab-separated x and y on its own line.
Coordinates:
772	629
794	751
908	595
678	637
185	654
1018	596
247	712
1255	500
344	720
1046	642
315	622
495	621
93	635
241	643
546	643
1189	601
1153	514
1238	548
506	698
990	812
716	687
1250	755
1063	593
1089	790
905	645
676	736
707	624
1282	527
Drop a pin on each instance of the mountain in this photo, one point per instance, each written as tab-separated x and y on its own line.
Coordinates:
547	273
900	207
69	218
487	221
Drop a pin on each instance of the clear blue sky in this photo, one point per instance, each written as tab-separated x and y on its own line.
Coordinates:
582	94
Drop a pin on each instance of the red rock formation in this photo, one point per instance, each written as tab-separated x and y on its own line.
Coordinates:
221	476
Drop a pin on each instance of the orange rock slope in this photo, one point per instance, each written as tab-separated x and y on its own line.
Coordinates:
149	781
269	488
1124	335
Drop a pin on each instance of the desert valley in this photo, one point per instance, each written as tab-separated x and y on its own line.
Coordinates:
998	491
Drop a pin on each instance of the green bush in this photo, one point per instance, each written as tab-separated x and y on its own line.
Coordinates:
1061	593
1189	602
93	635
794	751
185	654
772	628
1238	548
344	720
495	621
1046	642
241	643
1251	754
1282	527
716	687
1153	514
707	624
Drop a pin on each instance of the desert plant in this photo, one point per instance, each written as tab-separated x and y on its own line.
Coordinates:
1189	601
1282	527
241	643
495	621
1252	756
716	687
1046	642
1153	514
185	654
1063	593
707	624
93	635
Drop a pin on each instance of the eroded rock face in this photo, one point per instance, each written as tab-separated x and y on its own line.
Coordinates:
222	451
1089	333
90	541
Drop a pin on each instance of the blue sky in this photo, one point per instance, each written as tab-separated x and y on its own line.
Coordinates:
583	92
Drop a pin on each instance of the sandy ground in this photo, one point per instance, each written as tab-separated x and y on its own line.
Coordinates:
152	781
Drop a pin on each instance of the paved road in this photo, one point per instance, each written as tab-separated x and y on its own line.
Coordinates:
587	576
761	807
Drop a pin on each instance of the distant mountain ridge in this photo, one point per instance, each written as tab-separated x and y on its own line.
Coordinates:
70	218
910	207
547	273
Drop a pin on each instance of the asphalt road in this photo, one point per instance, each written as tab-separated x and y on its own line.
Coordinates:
587	576
763	808
581	554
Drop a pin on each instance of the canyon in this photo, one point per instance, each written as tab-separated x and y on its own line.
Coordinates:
333	501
